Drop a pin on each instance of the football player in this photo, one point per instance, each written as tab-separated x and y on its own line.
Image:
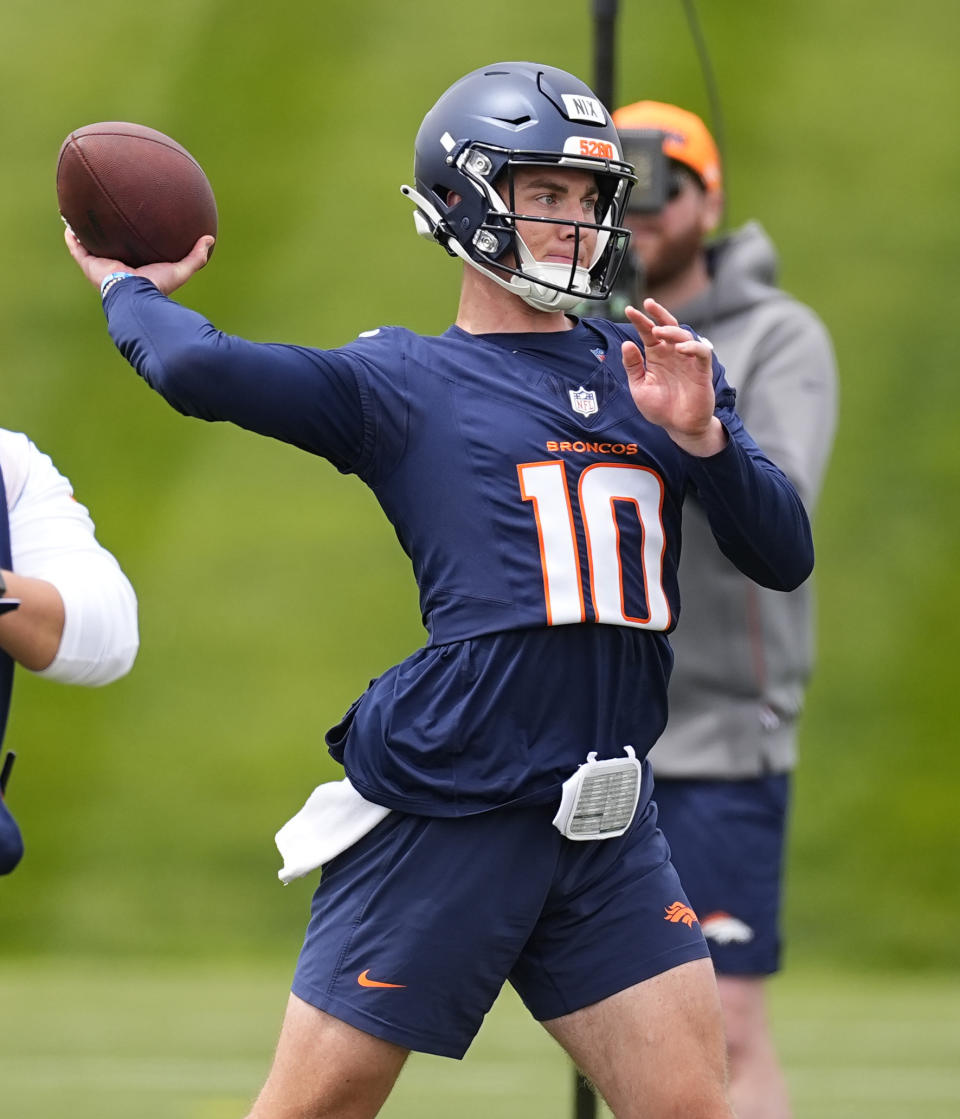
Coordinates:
67	611
534	466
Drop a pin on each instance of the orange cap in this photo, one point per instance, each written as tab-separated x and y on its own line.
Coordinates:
686	138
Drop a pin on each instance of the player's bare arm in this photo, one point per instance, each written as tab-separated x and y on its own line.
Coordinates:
673	386
167	277
31	633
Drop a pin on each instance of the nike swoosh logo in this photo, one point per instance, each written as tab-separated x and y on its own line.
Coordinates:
365	981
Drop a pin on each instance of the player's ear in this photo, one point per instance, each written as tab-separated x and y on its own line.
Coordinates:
452	198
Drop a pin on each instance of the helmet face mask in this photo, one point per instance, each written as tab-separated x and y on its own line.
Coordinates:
469	148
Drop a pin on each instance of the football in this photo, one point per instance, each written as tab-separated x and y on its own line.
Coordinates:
131	193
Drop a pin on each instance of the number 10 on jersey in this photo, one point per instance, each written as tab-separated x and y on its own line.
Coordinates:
601	487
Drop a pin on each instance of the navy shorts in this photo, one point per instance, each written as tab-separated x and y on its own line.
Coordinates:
727	842
415	929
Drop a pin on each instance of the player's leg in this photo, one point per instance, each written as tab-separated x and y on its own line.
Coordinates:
618	971
758	1088
327	1069
655	1050
412	934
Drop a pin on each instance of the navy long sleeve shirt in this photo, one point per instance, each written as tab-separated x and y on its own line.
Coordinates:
542	517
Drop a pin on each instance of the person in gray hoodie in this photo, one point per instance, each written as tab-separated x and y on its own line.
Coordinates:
743	655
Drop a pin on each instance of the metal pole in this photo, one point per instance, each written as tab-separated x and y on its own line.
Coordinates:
604	60
8	761
604	43
584	1098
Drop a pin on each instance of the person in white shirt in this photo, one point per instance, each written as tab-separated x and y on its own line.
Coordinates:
67	610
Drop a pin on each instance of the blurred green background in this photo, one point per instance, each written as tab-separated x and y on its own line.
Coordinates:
271	589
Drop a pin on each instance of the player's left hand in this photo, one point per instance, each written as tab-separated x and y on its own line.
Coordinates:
673	386
167	277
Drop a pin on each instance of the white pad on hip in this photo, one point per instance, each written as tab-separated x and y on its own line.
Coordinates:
599	800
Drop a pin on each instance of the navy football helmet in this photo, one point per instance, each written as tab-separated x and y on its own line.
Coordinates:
509	115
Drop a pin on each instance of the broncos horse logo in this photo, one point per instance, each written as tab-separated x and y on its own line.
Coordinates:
725	929
679	913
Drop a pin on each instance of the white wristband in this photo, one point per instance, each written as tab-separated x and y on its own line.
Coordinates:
114	278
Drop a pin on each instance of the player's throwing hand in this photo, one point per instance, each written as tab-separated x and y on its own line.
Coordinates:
673	386
167	277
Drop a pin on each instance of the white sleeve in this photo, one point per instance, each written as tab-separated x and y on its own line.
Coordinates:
52	537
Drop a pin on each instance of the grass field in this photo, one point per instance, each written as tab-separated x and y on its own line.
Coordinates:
157	1040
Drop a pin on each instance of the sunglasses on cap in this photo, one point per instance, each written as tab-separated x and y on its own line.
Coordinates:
659	180
678	177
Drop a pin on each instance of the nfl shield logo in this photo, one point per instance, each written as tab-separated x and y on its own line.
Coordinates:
583	401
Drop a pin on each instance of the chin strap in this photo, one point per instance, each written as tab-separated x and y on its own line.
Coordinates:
429	223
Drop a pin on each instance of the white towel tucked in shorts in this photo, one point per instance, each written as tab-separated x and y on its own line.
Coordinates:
333	819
